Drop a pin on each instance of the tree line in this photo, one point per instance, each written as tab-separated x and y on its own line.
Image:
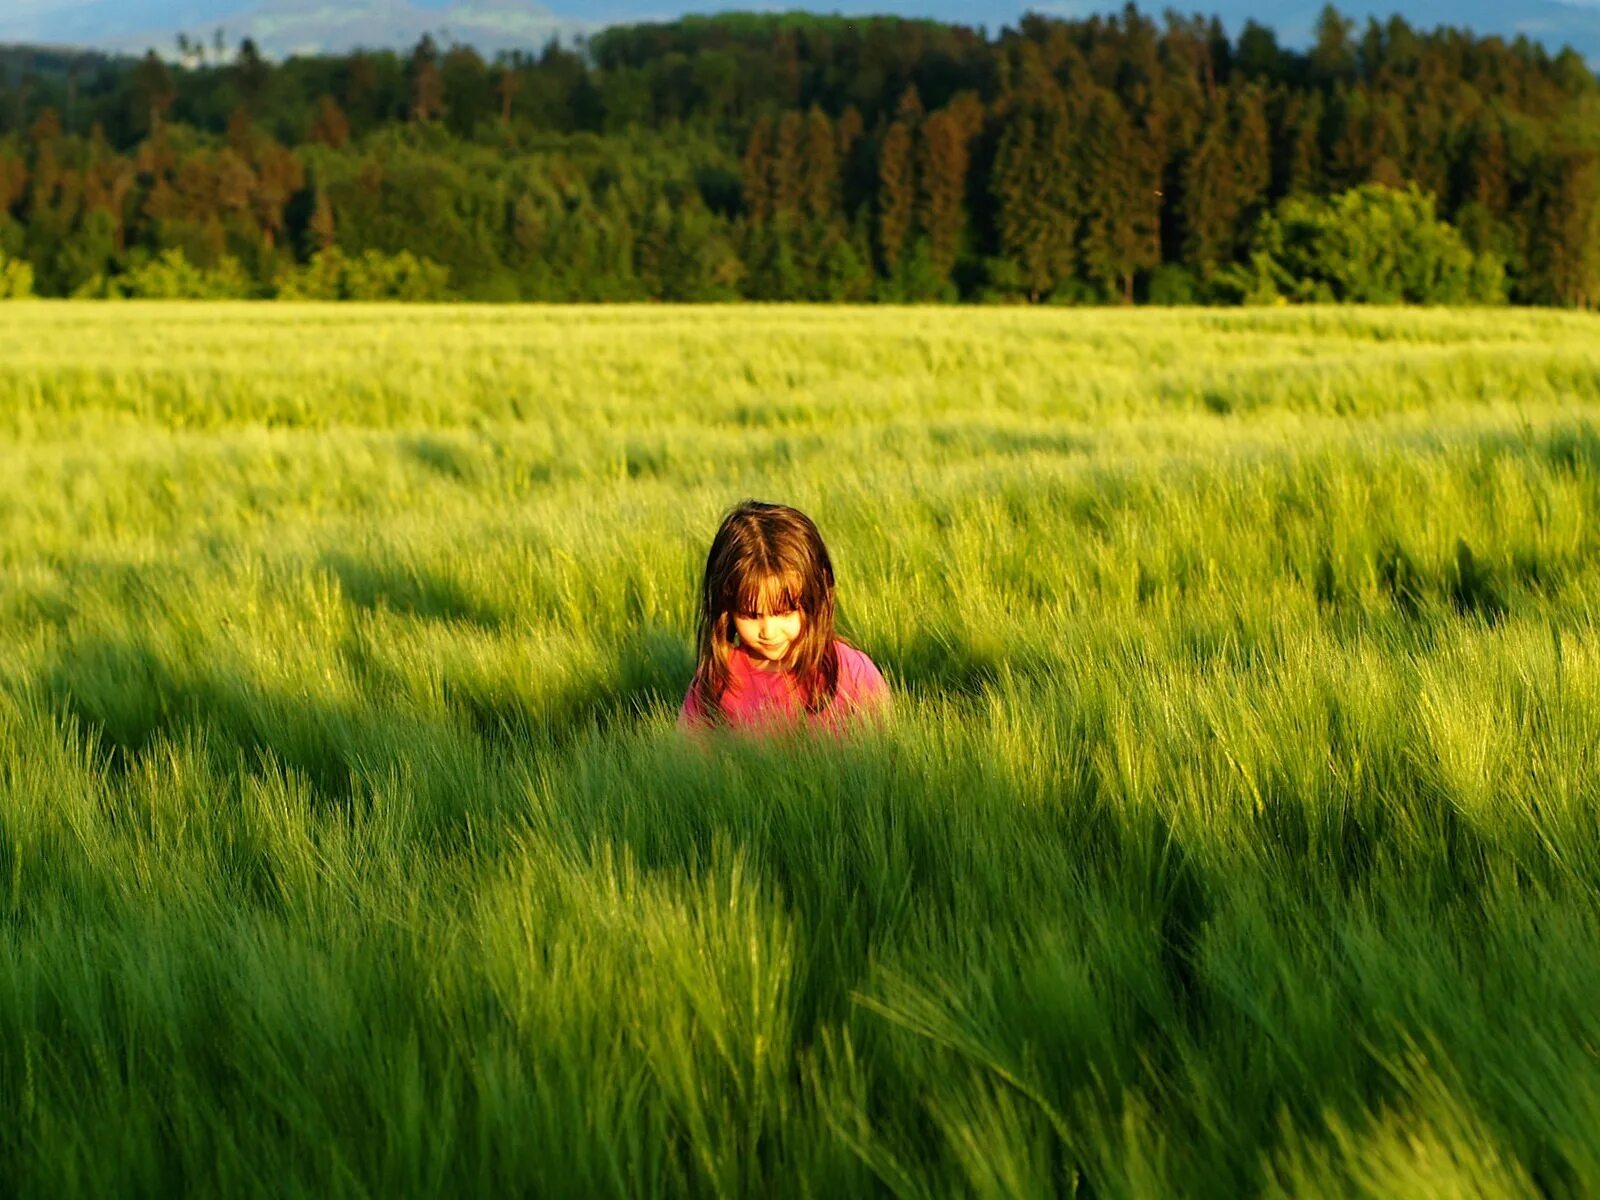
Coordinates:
1115	158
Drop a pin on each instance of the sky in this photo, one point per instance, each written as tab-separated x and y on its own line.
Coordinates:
287	26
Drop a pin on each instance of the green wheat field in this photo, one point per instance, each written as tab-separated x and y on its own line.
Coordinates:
1236	831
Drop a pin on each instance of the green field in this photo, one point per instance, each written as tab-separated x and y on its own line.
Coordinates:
1237	830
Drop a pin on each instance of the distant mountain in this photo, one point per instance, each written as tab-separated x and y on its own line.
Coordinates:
98	23
1550	22
284	27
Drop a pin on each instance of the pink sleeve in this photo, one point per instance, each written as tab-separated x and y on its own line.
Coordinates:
691	715
861	684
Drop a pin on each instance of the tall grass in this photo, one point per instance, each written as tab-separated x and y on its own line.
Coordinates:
1237	829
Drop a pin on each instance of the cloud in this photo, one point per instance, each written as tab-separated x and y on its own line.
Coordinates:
35	8
284	27
97	22
1069	9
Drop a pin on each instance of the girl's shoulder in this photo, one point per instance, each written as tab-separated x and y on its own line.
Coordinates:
849	654
858	674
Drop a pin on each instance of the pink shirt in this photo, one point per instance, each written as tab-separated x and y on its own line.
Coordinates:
756	698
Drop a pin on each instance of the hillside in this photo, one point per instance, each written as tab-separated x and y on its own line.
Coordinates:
796	157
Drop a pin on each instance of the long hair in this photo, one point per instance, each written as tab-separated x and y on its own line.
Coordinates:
767	557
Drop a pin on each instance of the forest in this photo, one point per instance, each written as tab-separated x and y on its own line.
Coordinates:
1115	159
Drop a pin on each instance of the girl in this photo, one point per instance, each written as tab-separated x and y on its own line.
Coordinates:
767	649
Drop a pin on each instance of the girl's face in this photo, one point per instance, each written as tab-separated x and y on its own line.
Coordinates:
768	634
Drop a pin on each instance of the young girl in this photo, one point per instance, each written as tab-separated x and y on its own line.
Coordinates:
767	649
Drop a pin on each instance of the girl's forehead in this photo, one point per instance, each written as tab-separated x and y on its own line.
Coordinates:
760	590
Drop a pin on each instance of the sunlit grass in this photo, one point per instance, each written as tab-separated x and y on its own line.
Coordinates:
1237	830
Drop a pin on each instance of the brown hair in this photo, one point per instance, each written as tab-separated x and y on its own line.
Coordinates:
767	553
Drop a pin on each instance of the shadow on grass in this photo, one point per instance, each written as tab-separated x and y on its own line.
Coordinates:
409	590
942	662
428	779
650	667
450	459
885	843
997	440
129	696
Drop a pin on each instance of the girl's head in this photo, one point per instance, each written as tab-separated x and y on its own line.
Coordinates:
768	588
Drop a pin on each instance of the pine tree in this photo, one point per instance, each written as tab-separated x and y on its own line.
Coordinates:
1252	162
1299	145
1488	181
242	133
857	170
1209	209
1258	56
787	186
1122	231
942	159
13	182
849	129
279	174
1349	161
464	78
361	89
909	109
321	226
153	94
756	171
507	84
1564	251
1037	193
329	125
111	179
427	82
1389	157
819	167
1333	56
897	194
44	145
252	77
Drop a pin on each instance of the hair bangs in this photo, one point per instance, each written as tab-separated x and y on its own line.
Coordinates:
768	593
